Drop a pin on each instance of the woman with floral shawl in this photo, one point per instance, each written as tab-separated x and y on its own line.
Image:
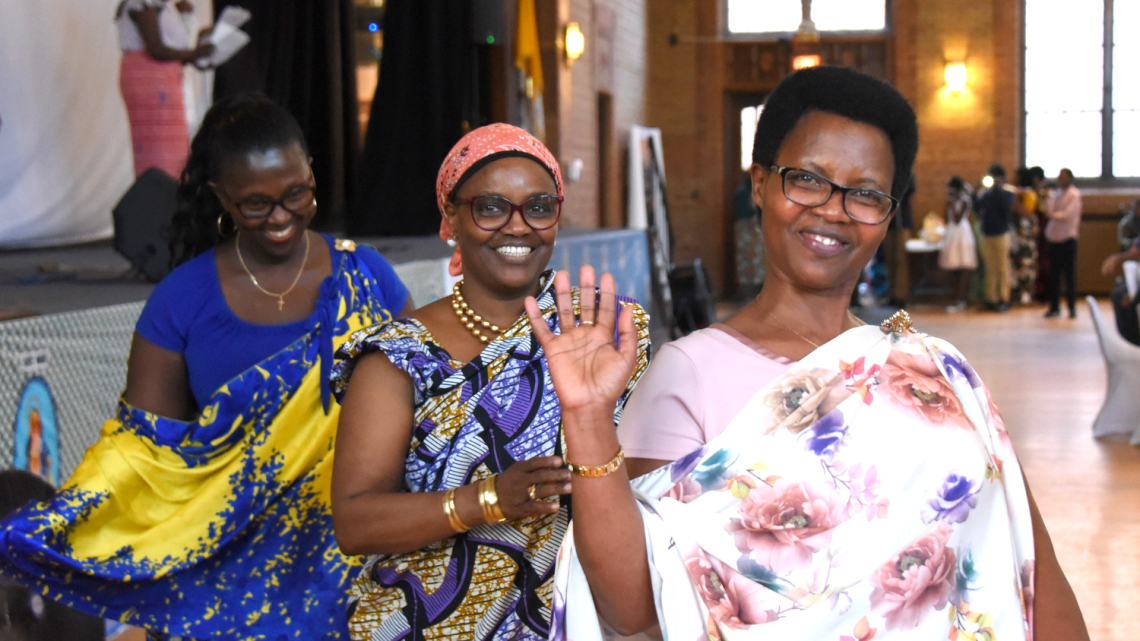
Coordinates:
449	471
803	476
203	510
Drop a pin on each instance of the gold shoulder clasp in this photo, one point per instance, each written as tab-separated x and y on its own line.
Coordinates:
345	245
899	322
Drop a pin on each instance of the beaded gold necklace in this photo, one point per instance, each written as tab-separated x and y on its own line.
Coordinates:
468	317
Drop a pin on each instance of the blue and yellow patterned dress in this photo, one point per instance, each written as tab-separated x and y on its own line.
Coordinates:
219	527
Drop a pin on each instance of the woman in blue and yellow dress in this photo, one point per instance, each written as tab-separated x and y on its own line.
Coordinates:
449	454
203	510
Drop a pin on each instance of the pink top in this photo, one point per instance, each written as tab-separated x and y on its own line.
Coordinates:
693	388
1064	209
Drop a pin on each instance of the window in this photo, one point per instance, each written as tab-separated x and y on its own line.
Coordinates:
1126	89
784	16
1071	118
749	117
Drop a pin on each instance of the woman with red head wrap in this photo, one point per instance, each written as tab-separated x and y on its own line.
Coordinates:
449	471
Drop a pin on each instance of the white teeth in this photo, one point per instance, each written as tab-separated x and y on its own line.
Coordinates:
284	233
512	250
824	240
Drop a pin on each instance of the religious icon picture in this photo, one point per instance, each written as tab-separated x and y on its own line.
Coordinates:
36	431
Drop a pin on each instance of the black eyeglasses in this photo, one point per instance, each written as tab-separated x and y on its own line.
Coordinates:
812	190
492	213
297	201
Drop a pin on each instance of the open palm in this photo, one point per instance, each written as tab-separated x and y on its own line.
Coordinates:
587	367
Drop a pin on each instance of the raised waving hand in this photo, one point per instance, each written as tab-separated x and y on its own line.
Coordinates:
589	370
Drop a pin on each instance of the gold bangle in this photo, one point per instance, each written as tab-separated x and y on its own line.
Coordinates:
489	501
457	523
597	470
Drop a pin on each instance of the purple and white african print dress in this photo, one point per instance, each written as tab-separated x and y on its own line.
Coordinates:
494	582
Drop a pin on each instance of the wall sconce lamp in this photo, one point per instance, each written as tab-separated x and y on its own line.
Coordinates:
805	61
574	42
956	76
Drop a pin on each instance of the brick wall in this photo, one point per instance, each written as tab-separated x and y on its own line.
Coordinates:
964	133
685	99
665	64
614	63
960	133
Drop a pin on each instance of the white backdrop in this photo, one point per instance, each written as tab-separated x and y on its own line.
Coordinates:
65	151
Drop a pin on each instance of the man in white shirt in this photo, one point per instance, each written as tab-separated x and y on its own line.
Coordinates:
1061	232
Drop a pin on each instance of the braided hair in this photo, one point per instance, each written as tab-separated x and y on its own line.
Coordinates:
233	128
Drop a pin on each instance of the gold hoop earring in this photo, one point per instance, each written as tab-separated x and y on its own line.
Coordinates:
219	226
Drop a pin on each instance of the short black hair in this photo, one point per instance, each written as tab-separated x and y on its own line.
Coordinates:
996	171
956	183
1024	177
843	92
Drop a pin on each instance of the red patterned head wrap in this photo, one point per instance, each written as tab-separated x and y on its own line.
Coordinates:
473	152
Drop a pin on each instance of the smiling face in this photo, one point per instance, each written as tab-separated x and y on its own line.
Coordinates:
262	176
820	248
510	260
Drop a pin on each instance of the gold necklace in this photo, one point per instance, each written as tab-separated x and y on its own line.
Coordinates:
810	341
468	317
282	295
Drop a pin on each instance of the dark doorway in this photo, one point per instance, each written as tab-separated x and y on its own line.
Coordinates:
742	111
610	211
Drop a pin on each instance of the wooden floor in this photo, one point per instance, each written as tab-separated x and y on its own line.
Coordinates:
1048	379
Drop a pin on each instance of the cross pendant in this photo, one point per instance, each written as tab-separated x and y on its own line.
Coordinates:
280	303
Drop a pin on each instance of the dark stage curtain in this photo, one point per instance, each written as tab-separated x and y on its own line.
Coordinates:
301	55
425	94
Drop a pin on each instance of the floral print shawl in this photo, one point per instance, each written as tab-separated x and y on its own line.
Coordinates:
869	491
494	582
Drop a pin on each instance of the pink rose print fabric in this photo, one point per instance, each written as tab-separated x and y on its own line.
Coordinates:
915	582
870	491
782	525
731	598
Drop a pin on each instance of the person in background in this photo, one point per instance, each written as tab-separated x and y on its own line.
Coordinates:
1023	246
1042	187
1123	304
899	230
1061	233
203	510
449	472
995	209
959	253
24	614
155	45
749	240
1128	230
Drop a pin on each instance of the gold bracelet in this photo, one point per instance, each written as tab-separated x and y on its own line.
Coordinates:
597	470
457	523
489	501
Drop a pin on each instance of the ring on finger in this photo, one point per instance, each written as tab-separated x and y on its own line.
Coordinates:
532	492
586	322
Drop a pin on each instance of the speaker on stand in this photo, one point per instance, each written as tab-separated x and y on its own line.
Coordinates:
142	223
